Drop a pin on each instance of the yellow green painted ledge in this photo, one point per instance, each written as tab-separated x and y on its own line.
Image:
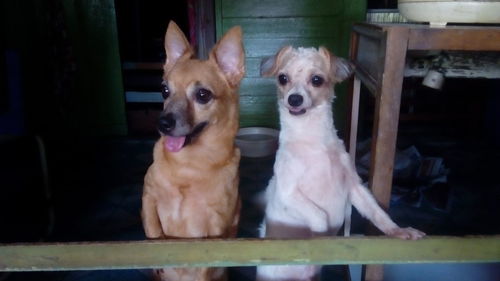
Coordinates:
246	252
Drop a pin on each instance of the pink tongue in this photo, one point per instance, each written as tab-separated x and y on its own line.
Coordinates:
174	144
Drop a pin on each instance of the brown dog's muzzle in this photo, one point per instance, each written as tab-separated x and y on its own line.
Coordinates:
176	125
175	119
173	124
166	123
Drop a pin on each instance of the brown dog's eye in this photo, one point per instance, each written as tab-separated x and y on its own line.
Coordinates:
317	81
203	96
283	79
165	91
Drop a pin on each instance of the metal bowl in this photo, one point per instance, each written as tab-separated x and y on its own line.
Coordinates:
257	141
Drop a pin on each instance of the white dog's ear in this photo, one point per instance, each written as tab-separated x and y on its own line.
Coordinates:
269	66
229	55
340	69
176	46
343	69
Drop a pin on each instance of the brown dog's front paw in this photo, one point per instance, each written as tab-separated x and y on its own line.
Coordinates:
408	233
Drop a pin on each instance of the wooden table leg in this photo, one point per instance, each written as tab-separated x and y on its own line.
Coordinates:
351	133
353	101
354	116
385	127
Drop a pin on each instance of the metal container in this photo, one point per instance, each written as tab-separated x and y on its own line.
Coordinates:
257	141
434	79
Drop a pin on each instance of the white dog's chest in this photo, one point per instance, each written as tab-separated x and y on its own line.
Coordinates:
319	174
322	166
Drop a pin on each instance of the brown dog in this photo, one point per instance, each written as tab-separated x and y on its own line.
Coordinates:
191	189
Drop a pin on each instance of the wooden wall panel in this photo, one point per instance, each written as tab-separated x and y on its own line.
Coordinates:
293	27
263	47
280	8
269	25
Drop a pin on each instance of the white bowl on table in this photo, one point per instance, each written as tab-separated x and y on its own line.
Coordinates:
441	12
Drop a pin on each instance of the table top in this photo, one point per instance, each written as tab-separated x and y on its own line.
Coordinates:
427	26
450	37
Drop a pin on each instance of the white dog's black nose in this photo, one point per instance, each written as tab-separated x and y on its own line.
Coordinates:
295	100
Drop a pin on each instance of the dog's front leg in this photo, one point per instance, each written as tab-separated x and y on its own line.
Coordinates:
150	218
296	203
365	203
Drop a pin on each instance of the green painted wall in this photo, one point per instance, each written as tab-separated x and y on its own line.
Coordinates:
99	105
270	24
93	101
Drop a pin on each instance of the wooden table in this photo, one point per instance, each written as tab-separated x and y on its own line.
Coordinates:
379	52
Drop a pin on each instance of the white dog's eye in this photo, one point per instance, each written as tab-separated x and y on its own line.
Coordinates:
282	79
317	81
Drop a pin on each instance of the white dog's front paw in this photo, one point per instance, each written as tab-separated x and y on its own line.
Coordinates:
319	229
407	233
319	225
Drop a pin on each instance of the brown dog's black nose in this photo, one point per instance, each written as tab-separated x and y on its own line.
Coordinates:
295	100
166	123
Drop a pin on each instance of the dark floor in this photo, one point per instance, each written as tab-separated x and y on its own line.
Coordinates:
96	184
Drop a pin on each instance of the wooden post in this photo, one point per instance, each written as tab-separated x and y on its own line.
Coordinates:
353	101
385	127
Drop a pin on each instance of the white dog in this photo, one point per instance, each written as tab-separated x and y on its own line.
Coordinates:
314	178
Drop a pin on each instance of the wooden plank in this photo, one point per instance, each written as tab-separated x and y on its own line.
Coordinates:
353	93
205	26
354	10
269	25
455	38
258	111
139	97
245	252
96	105
283	8
369	30
252	67
258	87
353	96
458	65
258	121
369	60
370	82
261	47
354	117
385	127
218	19
285	27
265	104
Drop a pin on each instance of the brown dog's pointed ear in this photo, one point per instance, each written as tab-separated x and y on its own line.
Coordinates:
176	45
269	66
229	55
340	69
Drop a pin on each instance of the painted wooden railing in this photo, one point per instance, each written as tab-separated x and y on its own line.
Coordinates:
246	252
